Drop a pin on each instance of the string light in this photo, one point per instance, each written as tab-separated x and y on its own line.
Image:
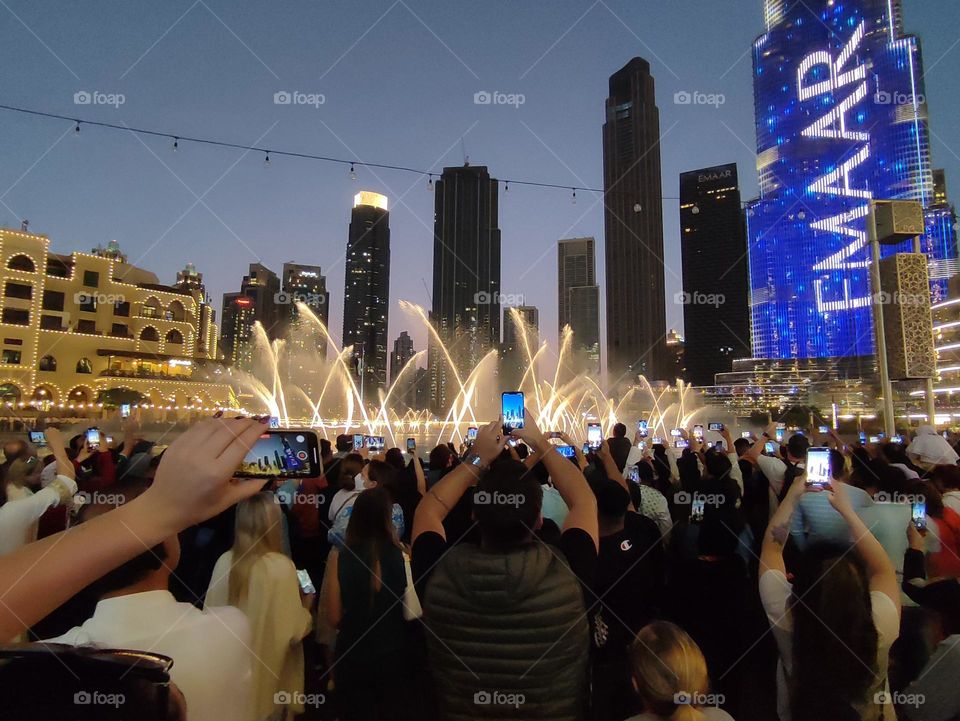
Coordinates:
176	143
573	199
353	173
266	159
76	128
430	184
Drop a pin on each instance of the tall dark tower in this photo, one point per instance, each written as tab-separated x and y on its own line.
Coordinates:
713	248
466	276
633	222
366	296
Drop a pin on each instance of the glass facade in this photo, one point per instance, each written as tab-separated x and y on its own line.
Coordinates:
841	118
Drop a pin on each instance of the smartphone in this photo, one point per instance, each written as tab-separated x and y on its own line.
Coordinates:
896	439
779	434
567	451
411	445
720	445
109	440
642	428
93	439
717	427
696	509
633	474
594	436
511	407
472	433
656	440
38	438
378	443
357	441
274	422
306	585
698	431
770	448
124	410
874	439
746	434
823	429
512	442
675	432
586	448
283	452
918	512
818	466
681	444
642	445
863	437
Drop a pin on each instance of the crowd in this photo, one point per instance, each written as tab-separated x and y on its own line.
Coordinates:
705	579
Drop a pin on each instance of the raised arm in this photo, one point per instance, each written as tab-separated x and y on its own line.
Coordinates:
419	474
193	483
778	530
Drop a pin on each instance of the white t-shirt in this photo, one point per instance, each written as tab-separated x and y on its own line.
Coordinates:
18	518
775	592
210	649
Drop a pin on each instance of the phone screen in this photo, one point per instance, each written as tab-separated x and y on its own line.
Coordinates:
274	422
293	454
698	431
411	445
306	584
818	466
38	438
642	427
696	509
471	433
770	447
746	434
93	438
717	427
681	444
863	437
874	439
896	439
779	434
567	451
633	474
357	441
511	406
824	429
594	435
656	440
918	512
675	432
124	410
374	443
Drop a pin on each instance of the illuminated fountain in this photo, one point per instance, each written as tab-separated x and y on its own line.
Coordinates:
301	388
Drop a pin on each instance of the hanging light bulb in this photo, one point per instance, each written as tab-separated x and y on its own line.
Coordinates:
506	187
176	144
696	210
573	198
430	184
76	129
353	173
266	159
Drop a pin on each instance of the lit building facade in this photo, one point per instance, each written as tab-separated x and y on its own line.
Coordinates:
521	339
256	301
74	326
841	118
579	297
304	284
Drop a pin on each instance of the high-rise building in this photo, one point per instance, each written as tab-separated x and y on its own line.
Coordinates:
578	295
366	293
304	284
466	276
713	252
402	353
521	339
676	354
633	227
404	389
256	301
841	119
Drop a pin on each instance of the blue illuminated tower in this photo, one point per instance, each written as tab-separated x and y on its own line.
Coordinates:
841	118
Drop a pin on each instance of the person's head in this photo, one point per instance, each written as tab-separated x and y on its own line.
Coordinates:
688	469
668	671
441	457
834	637
716	464
15	450
947	478
506	505
797	447
350	465
394	457
619	431
894	453
380	474
742	445
522	451
151	569
612	499
927	491
257	532
838	465
326	450
344	443
370	521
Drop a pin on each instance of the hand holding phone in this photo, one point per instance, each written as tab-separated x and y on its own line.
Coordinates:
594	436
93	439
818	467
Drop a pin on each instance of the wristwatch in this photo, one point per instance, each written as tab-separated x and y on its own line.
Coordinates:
473	459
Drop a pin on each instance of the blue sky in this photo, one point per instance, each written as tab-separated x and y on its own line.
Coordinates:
398	80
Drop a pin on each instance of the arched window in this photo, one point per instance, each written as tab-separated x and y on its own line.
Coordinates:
175	336
48	363
9	393
84	366
176	311
22	262
149	333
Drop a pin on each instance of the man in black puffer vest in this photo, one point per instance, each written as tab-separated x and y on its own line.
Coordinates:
508	636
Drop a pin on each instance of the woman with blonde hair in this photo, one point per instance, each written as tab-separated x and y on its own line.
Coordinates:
262	582
670	676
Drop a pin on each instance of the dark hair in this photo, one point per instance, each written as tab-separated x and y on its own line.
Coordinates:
931	496
507	504
385	476
612	498
440	457
834	638
350	465
717	464
838	464
344	443
797	445
742	445
947	477
689	471
370	529
522	450
325	448
619	430
894	453
394	457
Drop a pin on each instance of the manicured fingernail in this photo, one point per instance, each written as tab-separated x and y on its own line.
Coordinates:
218	414
264	419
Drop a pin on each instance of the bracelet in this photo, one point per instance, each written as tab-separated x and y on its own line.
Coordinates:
439	500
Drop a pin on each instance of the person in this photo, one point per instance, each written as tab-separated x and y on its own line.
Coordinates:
943	532
779	473
947	479
619	445
212	665
929	449
441	461
507	616
670	676
373	474
19	517
367	579
193	482
257	578
835	624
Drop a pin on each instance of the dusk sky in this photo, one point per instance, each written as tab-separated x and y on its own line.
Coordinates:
398	80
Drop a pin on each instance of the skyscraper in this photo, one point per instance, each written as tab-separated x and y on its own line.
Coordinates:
633	225
713	251
841	119
466	276
521	334
578	295
256	301
402	353
404	391
304	284
366	294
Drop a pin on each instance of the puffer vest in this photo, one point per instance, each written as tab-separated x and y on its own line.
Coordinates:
508	635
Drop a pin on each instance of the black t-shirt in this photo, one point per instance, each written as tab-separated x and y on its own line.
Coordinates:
628	586
575	545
